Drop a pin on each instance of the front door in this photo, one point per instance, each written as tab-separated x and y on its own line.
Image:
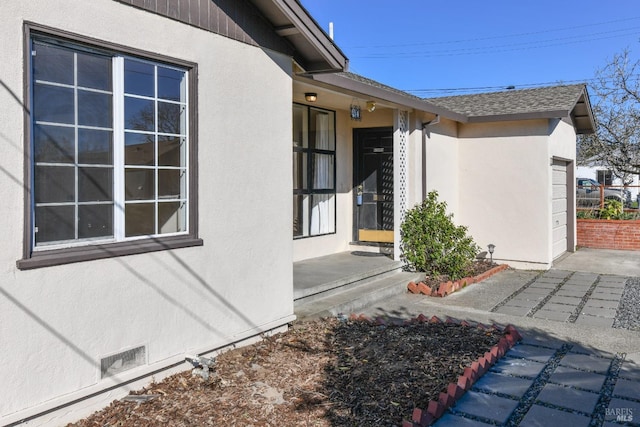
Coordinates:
373	173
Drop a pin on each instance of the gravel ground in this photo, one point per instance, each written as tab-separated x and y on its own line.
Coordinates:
628	314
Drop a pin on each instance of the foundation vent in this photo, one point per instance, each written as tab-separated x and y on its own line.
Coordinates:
128	359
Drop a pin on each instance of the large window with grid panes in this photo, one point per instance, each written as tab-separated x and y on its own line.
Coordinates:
110	146
314	171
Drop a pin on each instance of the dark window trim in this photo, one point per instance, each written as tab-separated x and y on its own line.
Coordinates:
46	258
310	191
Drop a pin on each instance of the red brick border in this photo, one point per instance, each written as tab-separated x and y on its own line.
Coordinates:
447	288
436	408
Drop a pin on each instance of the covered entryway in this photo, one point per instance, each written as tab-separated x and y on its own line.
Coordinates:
373	183
559	207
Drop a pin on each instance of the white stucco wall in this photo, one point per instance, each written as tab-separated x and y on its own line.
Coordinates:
442	169
56	323
496	180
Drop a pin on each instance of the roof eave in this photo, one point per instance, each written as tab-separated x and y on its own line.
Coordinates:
351	85
551	114
315	51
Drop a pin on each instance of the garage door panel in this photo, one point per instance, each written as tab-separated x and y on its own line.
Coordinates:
559	191
559	175
559	219
559	208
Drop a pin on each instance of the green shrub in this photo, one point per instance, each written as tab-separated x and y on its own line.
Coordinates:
432	243
612	210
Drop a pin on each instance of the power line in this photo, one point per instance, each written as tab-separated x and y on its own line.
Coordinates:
494	37
500	48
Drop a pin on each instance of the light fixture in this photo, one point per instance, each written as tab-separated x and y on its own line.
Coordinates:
311	96
371	106
491	248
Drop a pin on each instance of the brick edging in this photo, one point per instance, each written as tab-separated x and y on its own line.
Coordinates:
436	408
446	288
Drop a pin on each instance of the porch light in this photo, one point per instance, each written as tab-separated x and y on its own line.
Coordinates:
491	248
371	106
311	96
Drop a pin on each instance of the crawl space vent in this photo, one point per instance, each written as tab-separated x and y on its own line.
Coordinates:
123	361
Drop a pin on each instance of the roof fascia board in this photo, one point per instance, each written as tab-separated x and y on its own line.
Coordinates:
584	98
553	114
351	85
310	30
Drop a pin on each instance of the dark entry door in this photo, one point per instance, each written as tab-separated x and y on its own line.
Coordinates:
373	155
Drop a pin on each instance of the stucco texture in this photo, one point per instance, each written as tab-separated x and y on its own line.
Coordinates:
56	323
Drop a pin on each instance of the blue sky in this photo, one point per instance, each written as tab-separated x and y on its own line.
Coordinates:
469	46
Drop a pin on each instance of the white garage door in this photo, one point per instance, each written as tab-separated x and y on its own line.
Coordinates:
559	218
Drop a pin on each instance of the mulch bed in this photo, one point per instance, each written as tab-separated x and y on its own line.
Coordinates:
320	373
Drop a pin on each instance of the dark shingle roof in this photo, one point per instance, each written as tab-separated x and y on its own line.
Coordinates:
544	99
566	101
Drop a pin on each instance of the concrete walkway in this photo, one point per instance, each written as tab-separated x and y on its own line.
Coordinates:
573	367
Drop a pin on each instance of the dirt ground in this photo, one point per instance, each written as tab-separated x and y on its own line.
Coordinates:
329	372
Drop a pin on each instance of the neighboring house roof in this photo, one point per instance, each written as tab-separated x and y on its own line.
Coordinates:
566	101
314	50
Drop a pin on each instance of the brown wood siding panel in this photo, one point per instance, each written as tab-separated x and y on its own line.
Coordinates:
184	9
204	14
162	7
173	9
236	19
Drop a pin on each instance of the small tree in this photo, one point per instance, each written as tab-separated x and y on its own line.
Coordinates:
616	142
432	243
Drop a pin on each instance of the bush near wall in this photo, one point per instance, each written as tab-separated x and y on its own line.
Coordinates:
609	234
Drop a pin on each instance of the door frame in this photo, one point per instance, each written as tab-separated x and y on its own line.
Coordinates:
356	152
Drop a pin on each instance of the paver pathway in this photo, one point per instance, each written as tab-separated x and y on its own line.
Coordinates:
582	298
552	383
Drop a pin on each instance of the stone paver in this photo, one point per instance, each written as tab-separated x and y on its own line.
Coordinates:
540	416
586	362
513	310
575	378
559	299
518	367
530	297
620	407
552	315
587	320
451	420
532	352
627	388
630	371
599	311
522	302
562	308
570	398
498	383
543	285
486	405
594	302
577	294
